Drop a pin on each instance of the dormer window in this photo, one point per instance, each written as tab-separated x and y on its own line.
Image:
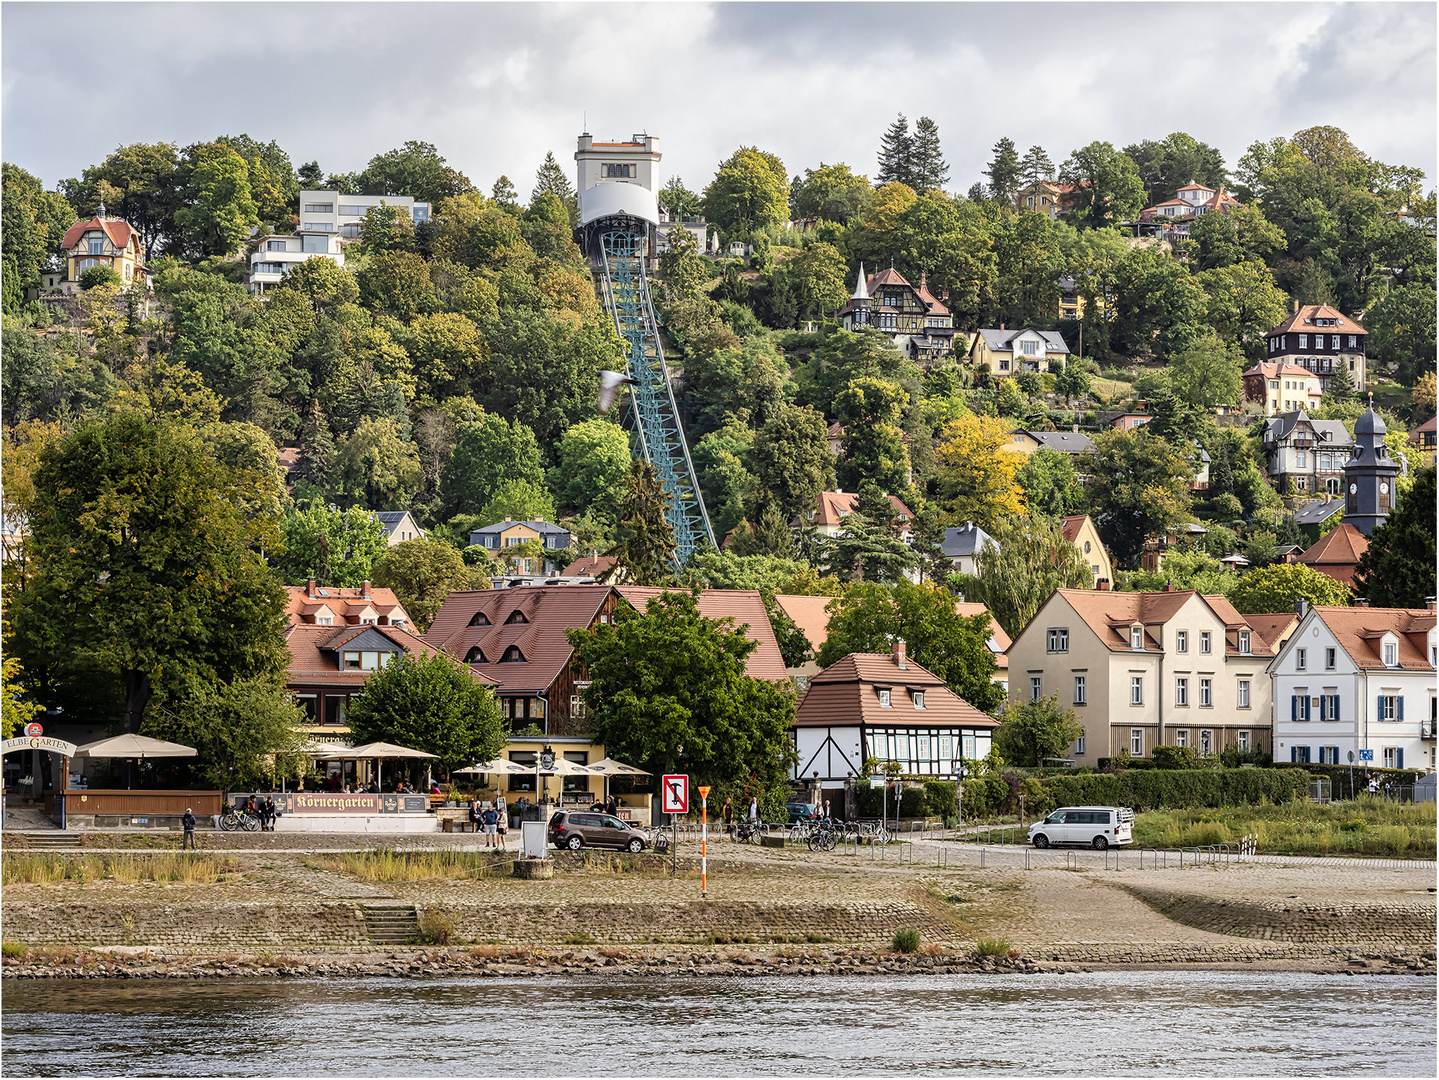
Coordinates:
324	620
883	692
1136	637
476	656
1391	654
1244	642
515	618
480	619
513	656
917	696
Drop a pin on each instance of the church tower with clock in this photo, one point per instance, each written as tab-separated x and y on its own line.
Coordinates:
1369	475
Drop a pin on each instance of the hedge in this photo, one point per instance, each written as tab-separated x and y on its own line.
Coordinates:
1339	775
1175	789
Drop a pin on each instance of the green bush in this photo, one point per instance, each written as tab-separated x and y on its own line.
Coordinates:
906	940
98	275
939	797
436	927
912	803
993	946
1036	799
1151	789
1176	757
12	949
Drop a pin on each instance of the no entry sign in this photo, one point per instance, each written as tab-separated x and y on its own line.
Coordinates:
675	794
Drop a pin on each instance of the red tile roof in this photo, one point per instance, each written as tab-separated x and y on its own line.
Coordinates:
118	231
590	566
1416	436
346	604
1337	553
831	506
845	693
1070	526
1272	628
546	611
745	608
1268	370
809	614
288	457
315	656
1360	631
1301	320
1110	614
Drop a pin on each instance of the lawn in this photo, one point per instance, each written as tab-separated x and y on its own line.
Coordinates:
1366	826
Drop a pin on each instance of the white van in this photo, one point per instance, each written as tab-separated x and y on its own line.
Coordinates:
1094	826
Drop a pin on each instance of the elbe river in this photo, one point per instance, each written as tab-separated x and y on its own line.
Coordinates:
1149	1023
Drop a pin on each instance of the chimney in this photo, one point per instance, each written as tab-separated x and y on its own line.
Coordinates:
1001	326
1301	607
1169	586
1102	584
1359	601
507	519
1296	306
310	586
1429	603
899	653
365	589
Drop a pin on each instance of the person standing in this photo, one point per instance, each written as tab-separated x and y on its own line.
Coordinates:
727	817
502	824
503	812
188	823
489	817
754	810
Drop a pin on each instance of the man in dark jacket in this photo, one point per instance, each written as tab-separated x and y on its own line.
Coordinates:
188	821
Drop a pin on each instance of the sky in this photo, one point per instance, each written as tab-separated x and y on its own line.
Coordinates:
496	85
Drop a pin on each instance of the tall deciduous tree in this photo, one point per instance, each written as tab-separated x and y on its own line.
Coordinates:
1276	588
870	617
1398	568
593	458
220	210
336	547
488	452
669	691
1139	487
873	447
1207	373
422	572
415	169
145	567
376	468
1016	574
1107	186
1170	163
792	460
976	473
831	193
646	550
1030	732
246	733
430	703
750	191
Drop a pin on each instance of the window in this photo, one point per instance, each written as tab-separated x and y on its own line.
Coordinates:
1304	341
1181	691
97	246
1241	694
1029	348
917	696
350	231
1299	754
315	245
622	171
1332	485
1204	641
1079	689
480	619
336	708
515	618
1004	365
1206	693
1181	737
1136	690
1353	341
1086	547
274	245
319	208
1136	741
1301	459
1181	641
1391	707
1334	341
127	271
513	656
1329	656
1301	659
1326	462
1036	687
1329	704
1391	654
1299	705
420	213
1244	641
1136	637
1392	758
1059	639
476	656
883	698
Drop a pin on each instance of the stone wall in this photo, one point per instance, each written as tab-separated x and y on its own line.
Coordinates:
199	926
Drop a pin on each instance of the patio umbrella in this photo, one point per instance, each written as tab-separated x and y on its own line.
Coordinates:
503	766
134	746
610	767
381	750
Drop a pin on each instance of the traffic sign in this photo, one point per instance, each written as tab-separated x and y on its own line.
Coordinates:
675	794
1366	755
34	729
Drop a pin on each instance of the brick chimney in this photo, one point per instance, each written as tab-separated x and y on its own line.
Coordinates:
1301	607
1360	601
310	586
1429	603
1102	584
365	589
899	653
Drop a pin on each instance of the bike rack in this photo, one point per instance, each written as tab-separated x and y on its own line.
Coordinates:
1026	859
1071	860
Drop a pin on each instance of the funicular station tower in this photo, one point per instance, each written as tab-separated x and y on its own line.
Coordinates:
619	215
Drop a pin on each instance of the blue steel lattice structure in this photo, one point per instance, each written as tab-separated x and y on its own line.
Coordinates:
652	418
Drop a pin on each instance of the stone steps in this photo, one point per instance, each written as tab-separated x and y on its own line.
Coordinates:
57	841
391	924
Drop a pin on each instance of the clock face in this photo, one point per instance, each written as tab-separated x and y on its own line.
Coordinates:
1353	489
1384	489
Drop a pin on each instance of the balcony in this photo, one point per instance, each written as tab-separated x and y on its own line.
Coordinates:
1426	730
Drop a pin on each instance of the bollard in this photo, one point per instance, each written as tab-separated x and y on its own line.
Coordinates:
981	858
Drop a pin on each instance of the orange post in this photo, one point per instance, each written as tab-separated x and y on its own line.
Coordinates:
704	842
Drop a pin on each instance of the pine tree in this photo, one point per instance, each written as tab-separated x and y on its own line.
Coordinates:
646	551
1341	386
927	165
1004	171
871	547
896	153
504	195
317	447
1036	166
550	177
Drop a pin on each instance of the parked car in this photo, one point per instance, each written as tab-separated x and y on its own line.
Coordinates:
801	811
575	829
1094	826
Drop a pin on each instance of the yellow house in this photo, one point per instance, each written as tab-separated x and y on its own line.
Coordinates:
1009	352
507	534
1079	530
103	241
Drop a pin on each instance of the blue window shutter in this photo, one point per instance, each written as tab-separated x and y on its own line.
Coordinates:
1400	714
1399	754
1294	753
1336	706
1293	707
1379	713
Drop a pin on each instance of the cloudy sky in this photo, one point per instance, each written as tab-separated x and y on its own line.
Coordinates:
494	86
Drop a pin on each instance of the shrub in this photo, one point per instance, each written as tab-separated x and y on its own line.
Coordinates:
12	949
906	940
997	946
1150	789
98	275
939	797
912	803
1036	798
436	926
1176	757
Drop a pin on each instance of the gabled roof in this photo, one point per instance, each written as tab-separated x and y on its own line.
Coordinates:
1422	429
1071	525
1110	614
1303	319
544	528
1318	511
315	653
1066	442
744	607
343	602
548	611
119	232
590	566
1271	627
1282	425
1001	340
965	541
998	639
809	614
1338	552
846	693
832	506
1273	370
1360	632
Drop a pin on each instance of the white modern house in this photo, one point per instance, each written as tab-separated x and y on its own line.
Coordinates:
328	221
1357	679
276	256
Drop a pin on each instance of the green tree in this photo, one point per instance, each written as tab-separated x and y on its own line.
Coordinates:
870	617
872	446
336	547
1050	483
431	703
1242	304
1139	487
415	169
504	195
386	228
550	178
246	732
679	201
422	572
219	211
1108	188
750	191
1170	163
326	286
1157	305
896	155
487	453
16	708
683	270
376	468
1398	568
544	371
669	692
1341	389
140	183
246	450
592	458
819	275
1072	379
927	167
1036	166
1241	234
792	460
316	446
397	283
871	546
145	568
1207	373
832	193
646	551
519	500
1016	574
1401	331
1276	589
1005	172
1034	730
99	275
32	224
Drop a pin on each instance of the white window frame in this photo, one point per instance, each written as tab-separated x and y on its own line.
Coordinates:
1036	687
1181	737
1241	694
1136	638
1181	692
1301	659
1206	641
1241	739
1079	745
1244	642
1206	693
1330	656
1391	654
1057	639
1136	742
1080	690
1136	690
917	696
1181	641
884	698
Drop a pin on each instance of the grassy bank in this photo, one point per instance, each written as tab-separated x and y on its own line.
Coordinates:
48	868
1366	826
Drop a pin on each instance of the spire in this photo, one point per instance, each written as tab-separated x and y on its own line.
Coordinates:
860	291
100	213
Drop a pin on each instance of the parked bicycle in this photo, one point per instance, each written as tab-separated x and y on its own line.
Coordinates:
243	820
747	832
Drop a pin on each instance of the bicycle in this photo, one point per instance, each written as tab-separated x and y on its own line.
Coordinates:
747	831
234	819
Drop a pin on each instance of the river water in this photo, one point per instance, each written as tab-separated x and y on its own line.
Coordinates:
1103	1024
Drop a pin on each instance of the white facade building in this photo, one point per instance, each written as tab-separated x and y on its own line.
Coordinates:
278	255
328	221
1357	679
617	179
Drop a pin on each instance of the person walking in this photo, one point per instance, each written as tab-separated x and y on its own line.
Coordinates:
188	823
489	818
502	824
